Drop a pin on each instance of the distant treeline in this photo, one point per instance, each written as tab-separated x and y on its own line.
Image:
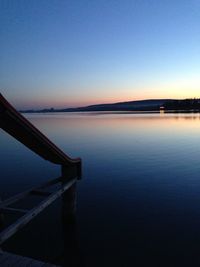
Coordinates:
140	105
186	104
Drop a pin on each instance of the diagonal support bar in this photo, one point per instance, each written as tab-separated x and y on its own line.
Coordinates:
13	228
26	193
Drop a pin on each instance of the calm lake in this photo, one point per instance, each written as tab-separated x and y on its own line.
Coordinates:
138	203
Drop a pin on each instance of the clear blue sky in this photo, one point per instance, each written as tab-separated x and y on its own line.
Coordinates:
62	53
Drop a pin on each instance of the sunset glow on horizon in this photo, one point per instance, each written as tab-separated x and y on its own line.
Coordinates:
76	53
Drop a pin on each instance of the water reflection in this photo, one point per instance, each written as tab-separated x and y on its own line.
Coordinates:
138	201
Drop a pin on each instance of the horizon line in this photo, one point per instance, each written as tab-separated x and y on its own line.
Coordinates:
110	103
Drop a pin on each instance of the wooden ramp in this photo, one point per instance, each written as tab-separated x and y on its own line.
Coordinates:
11	260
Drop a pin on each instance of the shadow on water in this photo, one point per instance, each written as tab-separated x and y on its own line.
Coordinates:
71	243
72	256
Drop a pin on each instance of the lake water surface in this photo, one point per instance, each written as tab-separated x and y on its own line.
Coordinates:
139	199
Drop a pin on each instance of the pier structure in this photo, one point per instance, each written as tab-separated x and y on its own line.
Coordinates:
16	125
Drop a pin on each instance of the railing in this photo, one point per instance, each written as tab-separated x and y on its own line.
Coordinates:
21	129
28	214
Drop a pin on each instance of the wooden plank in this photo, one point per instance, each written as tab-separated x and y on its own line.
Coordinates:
3	257
36	264
12	260
23	261
9	260
13	228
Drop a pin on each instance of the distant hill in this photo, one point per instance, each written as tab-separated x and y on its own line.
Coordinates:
192	104
139	105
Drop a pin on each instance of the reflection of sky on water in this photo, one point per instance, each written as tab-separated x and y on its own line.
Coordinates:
140	182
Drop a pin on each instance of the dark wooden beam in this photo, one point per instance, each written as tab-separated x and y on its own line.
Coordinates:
21	129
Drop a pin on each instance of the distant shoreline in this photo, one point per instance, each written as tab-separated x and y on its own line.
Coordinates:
119	112
149	105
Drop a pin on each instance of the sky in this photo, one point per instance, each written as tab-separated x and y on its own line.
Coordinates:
68	53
